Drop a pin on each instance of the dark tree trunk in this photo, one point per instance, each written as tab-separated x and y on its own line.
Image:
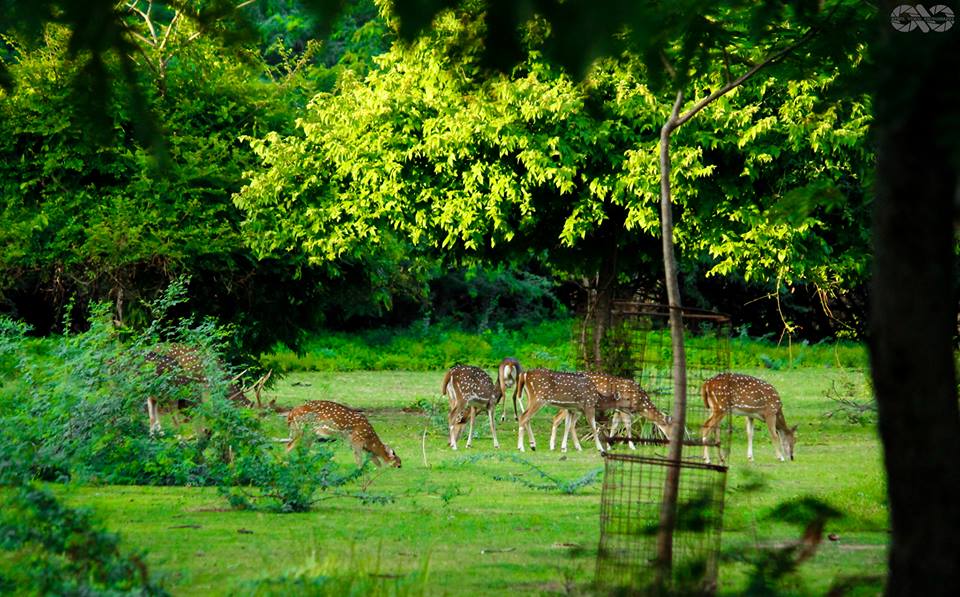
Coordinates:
606	288
913	310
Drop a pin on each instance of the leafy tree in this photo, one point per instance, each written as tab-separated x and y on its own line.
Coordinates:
913	83
433	149
86	220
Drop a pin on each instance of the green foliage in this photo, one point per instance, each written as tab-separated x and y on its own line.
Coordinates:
432	150
72	409
429	347
480	298
423	347
47	548
86	221
286	485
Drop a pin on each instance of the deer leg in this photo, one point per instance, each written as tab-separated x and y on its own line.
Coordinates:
616	420
525	423
771	421
750	438
568	420
557	418
453	421
492	412
154	413
358	455
572	417
590	412
627	420
709	429
473	415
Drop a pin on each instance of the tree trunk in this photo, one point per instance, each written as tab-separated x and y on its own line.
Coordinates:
606	289
913	311
668	508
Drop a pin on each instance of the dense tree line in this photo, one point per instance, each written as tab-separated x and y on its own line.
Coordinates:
362	179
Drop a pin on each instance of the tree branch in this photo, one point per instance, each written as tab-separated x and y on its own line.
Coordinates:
677	122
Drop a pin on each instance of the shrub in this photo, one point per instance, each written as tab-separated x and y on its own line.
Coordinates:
50	549
72	408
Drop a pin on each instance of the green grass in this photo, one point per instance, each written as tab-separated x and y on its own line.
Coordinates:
453	528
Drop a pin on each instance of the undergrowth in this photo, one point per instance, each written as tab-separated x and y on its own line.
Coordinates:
425	347
72	409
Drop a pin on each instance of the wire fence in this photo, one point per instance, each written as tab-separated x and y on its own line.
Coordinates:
635	343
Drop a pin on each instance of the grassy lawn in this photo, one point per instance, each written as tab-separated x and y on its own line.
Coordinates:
453	527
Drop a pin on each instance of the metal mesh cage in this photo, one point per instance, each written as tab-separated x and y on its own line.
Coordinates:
636	344
630	517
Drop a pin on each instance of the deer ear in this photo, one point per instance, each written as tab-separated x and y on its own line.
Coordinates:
794	429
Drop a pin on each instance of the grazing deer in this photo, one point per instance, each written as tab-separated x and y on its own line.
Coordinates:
566	390
625	397
185	367
327	418
469	388
752	397
507	374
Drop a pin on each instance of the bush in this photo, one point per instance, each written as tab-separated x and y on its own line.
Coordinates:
72	409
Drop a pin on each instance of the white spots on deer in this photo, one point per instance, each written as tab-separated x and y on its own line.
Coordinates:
569	390
469	389
738	394
624	397
325	418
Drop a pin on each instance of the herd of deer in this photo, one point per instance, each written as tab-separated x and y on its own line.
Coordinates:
470	389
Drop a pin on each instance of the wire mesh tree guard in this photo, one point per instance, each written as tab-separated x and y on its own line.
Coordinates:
630	518
635	343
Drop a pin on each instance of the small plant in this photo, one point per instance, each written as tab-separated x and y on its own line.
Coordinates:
549	482
332	576
850	403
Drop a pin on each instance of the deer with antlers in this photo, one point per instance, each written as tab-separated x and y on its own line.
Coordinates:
184	365
572	391
623	396
328	419
738	394
470	388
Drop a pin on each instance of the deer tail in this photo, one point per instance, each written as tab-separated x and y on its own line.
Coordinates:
446	380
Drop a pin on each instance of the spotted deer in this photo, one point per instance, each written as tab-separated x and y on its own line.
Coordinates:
327	419
565	390
185	367
470	388
625	397
507	374
752	397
